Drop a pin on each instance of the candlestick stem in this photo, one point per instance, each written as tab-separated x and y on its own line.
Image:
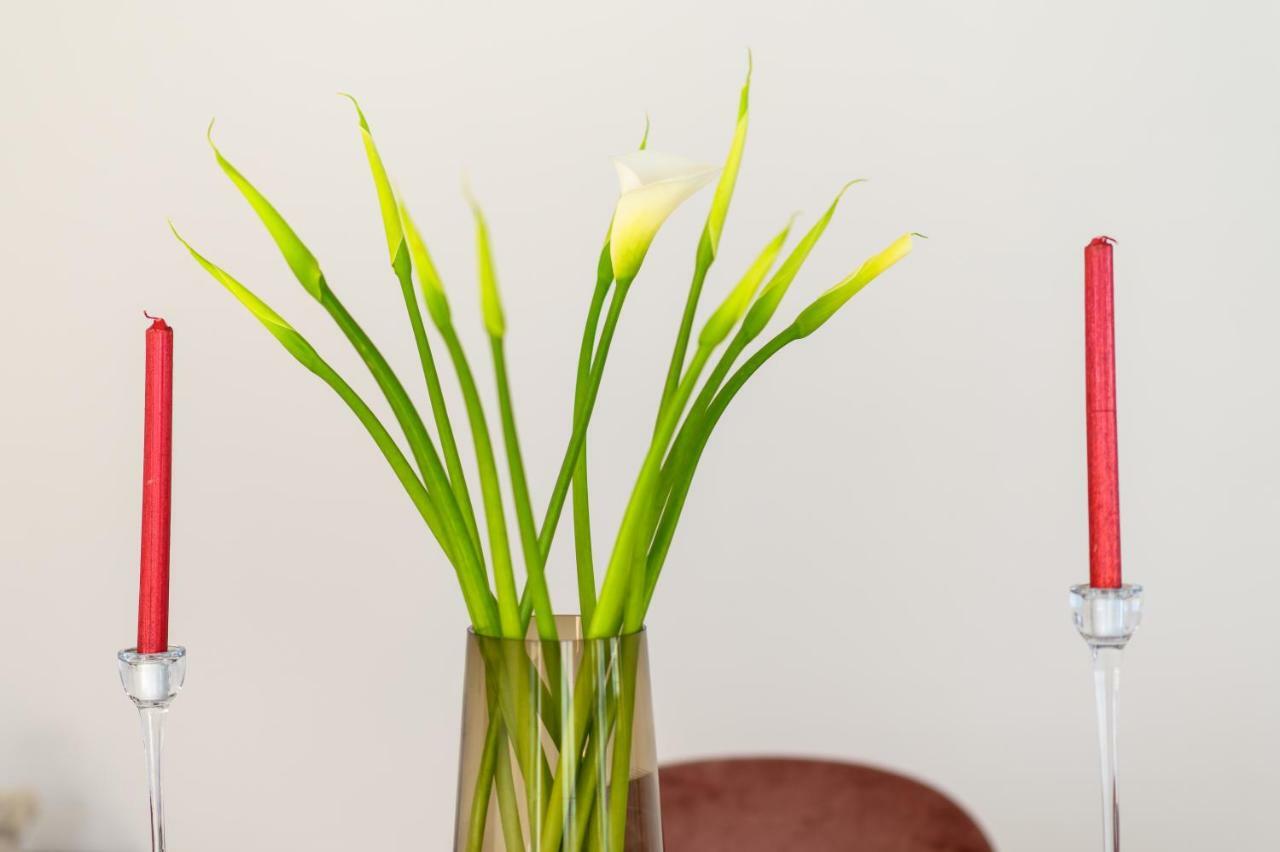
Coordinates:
1106	683
152	681
152	743
1107	619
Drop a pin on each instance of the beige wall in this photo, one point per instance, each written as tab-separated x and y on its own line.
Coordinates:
875	559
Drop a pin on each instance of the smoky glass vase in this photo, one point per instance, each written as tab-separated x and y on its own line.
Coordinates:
558	748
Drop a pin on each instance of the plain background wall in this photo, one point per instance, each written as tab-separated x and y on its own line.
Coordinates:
875	558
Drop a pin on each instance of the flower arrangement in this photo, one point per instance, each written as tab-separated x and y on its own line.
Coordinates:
477	543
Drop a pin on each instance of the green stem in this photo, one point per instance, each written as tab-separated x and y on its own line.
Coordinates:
490	490
537	579
575	769
587	684
620	786
719	372
479	815
495	742
507	666
584	690
624	581
475	591
648	519
706	255
688	451
436	481
591	780
561	489
679	448
515	688
583	557
415	431
457	477
673	468
535	566
700	404
574	450
508	810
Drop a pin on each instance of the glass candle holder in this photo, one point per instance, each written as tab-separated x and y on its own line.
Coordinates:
152	681
1107	620
558	746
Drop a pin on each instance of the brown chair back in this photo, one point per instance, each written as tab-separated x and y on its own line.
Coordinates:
792	805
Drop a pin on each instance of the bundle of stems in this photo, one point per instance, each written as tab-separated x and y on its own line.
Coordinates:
477	543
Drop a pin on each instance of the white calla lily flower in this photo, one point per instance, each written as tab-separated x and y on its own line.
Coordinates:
653	185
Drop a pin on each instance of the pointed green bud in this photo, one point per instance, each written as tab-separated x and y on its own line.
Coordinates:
733	162
273	322
725	317
300	259
767	303
490	302
822	308
428	278
386	197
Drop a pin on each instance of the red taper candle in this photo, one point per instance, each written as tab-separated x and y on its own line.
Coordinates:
157	458
1100	411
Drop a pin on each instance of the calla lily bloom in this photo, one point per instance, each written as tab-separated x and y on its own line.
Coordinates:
653	185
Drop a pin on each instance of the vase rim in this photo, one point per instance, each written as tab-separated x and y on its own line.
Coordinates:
568	628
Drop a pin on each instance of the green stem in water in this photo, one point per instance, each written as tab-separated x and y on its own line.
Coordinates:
495	518
507	666
587	685
479	815
594	775
448	443
508	810
620	788
495	744
537	580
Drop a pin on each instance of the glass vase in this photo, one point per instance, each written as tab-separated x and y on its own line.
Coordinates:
558	748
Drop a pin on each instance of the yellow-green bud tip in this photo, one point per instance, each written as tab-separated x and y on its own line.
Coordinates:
359	112
490	301
845	188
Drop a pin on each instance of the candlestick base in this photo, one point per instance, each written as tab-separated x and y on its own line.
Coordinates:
1107	620
152	681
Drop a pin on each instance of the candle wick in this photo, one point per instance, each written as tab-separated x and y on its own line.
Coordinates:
1104	240
157	322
